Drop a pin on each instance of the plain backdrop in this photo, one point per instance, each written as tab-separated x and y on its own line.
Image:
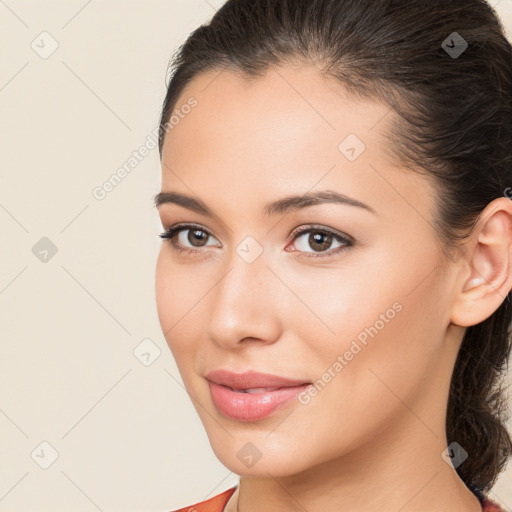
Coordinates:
93	413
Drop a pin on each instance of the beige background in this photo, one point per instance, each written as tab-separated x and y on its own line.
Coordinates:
125	433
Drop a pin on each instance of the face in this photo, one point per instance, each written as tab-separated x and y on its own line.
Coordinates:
347	296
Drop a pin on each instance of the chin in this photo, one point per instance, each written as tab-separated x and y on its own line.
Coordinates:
253	454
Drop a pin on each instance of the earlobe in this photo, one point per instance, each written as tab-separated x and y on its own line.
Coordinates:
486	278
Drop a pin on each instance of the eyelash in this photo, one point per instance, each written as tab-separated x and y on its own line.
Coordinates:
170	234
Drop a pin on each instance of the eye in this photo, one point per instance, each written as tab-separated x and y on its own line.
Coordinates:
196	236
320	239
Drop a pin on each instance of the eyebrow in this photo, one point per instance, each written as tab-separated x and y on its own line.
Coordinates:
284	205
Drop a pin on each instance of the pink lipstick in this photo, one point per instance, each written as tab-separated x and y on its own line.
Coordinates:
251	396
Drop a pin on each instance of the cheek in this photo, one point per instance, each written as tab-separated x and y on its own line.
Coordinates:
162	291
179	307
387	337
171	296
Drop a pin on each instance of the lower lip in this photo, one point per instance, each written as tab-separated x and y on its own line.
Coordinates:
251	406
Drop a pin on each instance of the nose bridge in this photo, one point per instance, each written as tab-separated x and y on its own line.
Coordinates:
248	270
243	304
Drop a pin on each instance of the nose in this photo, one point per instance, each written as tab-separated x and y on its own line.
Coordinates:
246	305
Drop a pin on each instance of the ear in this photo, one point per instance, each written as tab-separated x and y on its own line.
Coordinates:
486	276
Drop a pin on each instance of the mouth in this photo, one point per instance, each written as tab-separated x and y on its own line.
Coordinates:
252	404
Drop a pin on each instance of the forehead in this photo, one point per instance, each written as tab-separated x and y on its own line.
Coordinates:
283	133
289	102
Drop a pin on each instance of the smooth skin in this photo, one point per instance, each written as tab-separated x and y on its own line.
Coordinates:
372	438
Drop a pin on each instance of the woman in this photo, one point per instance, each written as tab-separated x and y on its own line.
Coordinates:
334	280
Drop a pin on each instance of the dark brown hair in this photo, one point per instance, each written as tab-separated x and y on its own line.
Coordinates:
453	124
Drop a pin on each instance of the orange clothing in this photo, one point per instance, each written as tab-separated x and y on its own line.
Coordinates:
215	504
218	502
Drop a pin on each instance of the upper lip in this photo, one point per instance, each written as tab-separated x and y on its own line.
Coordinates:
250	380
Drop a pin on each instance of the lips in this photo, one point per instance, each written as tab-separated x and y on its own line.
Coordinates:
247	406
252	381
251	396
